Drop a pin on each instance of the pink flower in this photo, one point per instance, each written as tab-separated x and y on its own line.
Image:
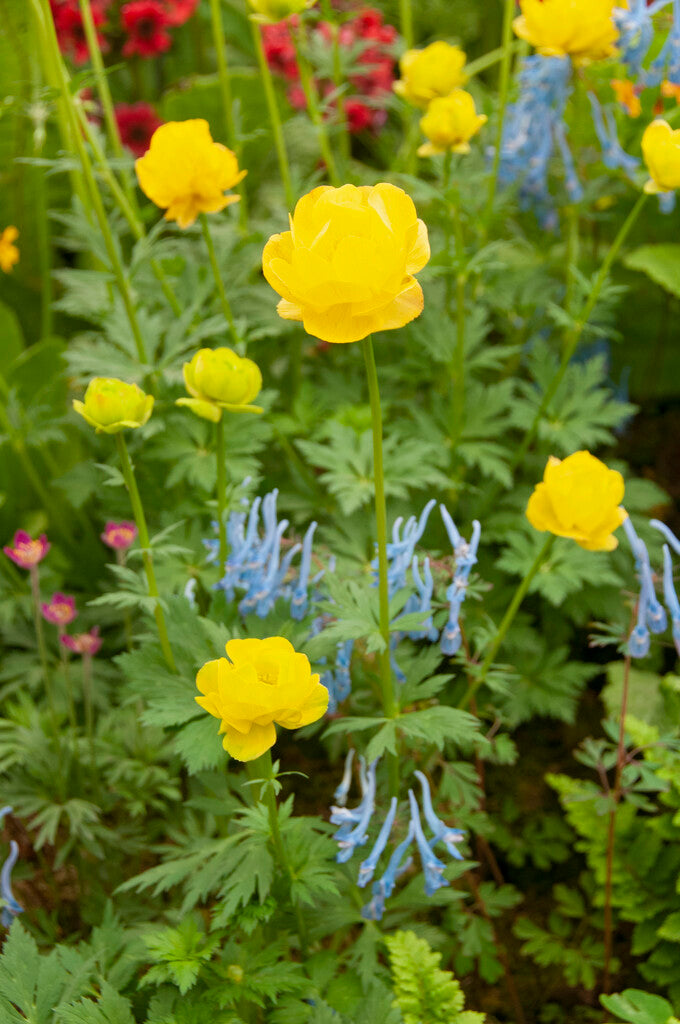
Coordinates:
119	536
179	11
26	552
60	610
136	123
83	643
145	21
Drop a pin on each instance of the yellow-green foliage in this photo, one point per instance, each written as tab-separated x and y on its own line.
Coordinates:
424	993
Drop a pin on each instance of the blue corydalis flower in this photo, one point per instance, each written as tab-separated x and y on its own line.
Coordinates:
636	32
341	792
433	868
667	63
299	602
651	615
671	596
347	837
368	866
465	555
613	155
10	906
401	549
442	833
384	887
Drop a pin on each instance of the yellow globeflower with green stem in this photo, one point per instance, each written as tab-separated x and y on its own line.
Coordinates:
347	268
426	74
218	381
112	406
188	175
581	29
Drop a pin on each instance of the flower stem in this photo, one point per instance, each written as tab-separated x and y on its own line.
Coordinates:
344	136
263	769
312	99
226	307
406	22
509	7
221	490
458	365
274	116
140	520
69	689
42	649
89	708
227	97
127	620
389	698
506	622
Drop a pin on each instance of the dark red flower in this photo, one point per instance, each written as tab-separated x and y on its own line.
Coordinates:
279	50
146	22
68	23
179	11
359	116
136	123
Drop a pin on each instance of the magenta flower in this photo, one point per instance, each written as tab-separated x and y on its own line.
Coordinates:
83	643
119	536
60	610
26	552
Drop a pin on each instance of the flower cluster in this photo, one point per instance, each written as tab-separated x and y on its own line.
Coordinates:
137	28
10	907
353	832
365	41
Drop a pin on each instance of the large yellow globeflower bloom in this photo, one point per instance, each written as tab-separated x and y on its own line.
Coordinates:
264	682
661	153
579	498
345	268
434	71
581	29
186	173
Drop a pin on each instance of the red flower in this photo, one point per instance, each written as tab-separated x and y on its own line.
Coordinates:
26	552
83	643
145	21
60	610
136	123
68	23
359	116
119	536
179	11
279	50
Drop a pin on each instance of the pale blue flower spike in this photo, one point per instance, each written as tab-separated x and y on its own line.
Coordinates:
442	832
368	866
651	615
571	181
667	532
347	838
394	867
346	781
671	596
433	868
613	155
636	33
10	906
299	602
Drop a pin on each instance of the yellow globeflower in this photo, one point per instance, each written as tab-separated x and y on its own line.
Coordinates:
346	266
450	123
271	11
579	498
9	254
186	173
264	682
432	72
220	379
112	405
661	153
581	29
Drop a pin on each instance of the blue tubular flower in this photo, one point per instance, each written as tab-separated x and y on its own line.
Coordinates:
613	155
368	866
671	596
442	833
668	534
667	63
349	838
636	32
384	887
346	780
466	556
423	601
651	614
571	182
401	549
10	907
433	868
299	602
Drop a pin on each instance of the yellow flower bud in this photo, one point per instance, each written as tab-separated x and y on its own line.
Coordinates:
450	123
580	498
271	11
186	173
432	72
661	153
9	253
345	269
217	379
264	682
112	405
581	29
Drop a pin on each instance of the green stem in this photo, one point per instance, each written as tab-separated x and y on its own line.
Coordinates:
574	335
506	622
490	58
572	214
221	455
127	620
406	22
312	100
220	44
262	768
105	95
274	116
344	136
69	688
44	252
145	544
226	307
503	90
42	649
458	367
389	699
89	708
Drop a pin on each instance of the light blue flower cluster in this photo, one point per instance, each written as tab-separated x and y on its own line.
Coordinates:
465	554
353	832
651	615
10	907
670	593
614	155
636	35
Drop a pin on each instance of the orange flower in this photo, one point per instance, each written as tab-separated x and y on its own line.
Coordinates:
627	96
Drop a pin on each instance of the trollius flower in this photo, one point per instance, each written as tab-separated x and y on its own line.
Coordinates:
661	152
186	173
581	29
450	123
345	268
111	405
219	379
263	683
434	71
579	498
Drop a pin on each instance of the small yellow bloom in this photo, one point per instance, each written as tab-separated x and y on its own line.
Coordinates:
112	405
450	123
271	11
432	72
661	153
625	93
186	173
220	379
9	254
579	498
345	268
263	682
671	90
581	29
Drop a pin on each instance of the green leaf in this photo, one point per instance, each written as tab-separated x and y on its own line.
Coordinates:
638	1007
660	262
